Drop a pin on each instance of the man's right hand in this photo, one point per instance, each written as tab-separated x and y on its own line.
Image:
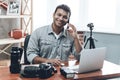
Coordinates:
37	60
56	62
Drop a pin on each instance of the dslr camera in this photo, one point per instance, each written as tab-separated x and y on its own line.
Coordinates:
90	25
43	70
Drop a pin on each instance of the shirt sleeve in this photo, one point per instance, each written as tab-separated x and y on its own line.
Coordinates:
77	55
33	48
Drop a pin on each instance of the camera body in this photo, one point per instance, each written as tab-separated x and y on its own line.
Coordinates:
16	54
90	25
43	70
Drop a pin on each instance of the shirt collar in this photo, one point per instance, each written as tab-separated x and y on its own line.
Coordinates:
50	31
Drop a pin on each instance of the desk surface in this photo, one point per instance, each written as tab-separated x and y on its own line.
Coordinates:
109	70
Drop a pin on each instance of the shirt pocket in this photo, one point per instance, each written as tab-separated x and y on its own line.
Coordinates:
66	48
45	46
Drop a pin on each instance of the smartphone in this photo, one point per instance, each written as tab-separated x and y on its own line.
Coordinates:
67	25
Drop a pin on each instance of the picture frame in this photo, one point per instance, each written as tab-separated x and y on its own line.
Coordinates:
14	7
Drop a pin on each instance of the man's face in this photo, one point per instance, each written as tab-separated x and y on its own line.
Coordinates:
60	18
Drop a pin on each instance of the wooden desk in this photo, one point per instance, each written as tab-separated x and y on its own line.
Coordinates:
108	71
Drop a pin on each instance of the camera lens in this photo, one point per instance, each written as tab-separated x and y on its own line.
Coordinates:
15	60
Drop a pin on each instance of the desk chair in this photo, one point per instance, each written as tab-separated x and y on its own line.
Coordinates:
25	49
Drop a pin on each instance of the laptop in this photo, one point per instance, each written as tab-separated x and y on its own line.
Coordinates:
90	60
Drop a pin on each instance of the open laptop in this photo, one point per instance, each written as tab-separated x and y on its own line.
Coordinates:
90	60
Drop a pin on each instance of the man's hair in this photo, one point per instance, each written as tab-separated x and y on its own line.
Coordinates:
64	7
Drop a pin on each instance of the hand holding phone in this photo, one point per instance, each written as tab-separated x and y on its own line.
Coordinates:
69	29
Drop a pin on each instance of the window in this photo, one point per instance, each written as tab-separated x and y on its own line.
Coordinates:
43	11
104	14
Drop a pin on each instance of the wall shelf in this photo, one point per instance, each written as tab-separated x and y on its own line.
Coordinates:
24	22
14	16
11	41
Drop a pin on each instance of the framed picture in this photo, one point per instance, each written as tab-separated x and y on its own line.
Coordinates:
14	7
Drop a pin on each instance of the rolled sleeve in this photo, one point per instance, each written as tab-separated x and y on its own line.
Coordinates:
31	57
32	49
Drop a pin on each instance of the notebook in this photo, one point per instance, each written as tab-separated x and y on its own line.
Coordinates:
90	60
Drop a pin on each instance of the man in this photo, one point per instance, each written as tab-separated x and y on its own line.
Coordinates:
53	43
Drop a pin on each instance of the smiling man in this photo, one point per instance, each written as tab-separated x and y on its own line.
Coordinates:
53	43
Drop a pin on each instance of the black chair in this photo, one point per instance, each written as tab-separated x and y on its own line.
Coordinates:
25	49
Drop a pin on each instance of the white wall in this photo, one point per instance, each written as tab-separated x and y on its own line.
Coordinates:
104	14
43	11
38	12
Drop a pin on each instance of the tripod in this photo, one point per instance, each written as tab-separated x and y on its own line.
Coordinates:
90	39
